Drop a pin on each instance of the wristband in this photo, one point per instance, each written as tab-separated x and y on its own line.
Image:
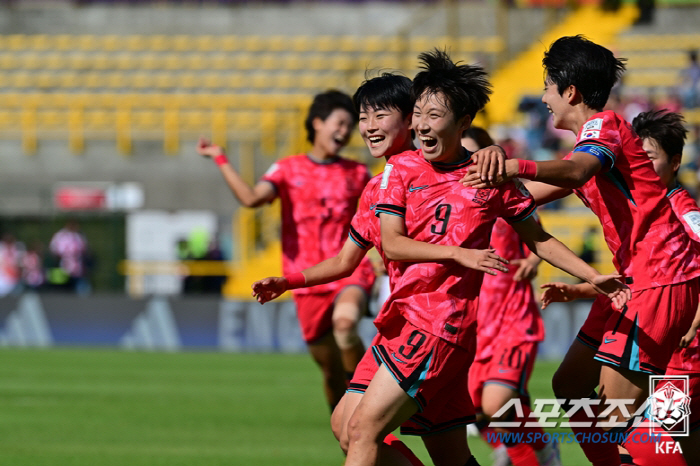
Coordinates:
527	169
221	159
295	280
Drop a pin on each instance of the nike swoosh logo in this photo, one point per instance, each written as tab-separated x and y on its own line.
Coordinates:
393	355
503	371
609	340
411	188
372	206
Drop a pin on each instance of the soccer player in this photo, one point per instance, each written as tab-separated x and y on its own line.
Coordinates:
427	328
385	107
663	136
319	192
610	171
509	328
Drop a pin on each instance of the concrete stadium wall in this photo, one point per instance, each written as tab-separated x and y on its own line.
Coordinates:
196	323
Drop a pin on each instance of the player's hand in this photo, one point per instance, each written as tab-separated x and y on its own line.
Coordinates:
557	292
483	260
688	337
269	288
206	149
475	178
613	288
527	269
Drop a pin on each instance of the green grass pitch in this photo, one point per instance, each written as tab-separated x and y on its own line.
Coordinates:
82	407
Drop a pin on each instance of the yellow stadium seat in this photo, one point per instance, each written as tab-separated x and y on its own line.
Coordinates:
268	61
93	80
228	43
245	61
31	61
8	61
326	44
115	80
253	44
69	79
135	43
55	61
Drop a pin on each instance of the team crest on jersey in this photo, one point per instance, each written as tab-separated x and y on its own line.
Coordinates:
481	196
594	124
385	176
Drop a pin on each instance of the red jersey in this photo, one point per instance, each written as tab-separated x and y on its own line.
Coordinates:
686	360
365	230
686	210
507	309
318	201
649	245
442	297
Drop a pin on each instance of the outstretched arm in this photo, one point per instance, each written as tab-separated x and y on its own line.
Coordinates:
571	173
335	268
553	251
399	247
254	196
558	292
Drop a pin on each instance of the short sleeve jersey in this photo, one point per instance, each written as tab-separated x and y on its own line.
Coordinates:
686	209
442	297
365	229
318	201
686	360
507	309
648	243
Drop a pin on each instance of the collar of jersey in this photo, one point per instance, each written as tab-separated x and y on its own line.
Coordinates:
448	167
676	188
323	162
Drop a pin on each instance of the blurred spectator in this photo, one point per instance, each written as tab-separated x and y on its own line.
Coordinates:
690	82
11	253
32	266
588	250
213	283
70	247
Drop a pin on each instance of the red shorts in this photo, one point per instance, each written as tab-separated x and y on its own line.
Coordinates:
511	365
429	369
315	310
642	336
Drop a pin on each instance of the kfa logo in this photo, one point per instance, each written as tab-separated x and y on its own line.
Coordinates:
669	405
481	196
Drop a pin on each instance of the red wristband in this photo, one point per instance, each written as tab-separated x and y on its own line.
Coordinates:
221	159
295	280
527	169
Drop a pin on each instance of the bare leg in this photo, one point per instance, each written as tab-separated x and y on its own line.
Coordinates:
326	354
578	374
383	407
348	310
448	448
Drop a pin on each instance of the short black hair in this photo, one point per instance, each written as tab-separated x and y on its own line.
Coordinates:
386	91
466	87
664	127
479	135
323	105
593	69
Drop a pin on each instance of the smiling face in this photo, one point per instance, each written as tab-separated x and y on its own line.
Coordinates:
665	168
385	131
437	130
333	133
556	104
